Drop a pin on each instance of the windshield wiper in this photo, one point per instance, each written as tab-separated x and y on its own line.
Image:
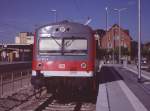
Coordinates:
56	42
68	43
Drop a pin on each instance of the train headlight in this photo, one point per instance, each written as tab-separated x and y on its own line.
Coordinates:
83	65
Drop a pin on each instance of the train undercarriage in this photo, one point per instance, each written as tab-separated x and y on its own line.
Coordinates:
65	86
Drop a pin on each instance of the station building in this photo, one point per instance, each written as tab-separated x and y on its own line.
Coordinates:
108	43
111	39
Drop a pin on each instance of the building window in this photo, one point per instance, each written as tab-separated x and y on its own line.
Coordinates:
125	45
122	43
116	37
109	45
109	38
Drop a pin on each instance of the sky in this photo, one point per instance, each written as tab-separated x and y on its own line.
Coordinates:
26	15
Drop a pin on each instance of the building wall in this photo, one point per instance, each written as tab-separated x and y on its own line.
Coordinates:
24	38
111	38
30	39
17	40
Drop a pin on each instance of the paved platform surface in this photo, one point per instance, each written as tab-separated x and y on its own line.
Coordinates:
133	68
120	91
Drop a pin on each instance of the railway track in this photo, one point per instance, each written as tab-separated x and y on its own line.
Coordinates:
14	101
55	105
47	102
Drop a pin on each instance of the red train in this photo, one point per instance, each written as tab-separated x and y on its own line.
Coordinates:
64	57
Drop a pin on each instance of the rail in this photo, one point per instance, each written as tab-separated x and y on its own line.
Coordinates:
11	82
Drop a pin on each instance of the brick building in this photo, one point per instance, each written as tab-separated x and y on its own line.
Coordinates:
111	39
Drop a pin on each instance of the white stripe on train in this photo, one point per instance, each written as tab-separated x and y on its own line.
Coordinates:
65	73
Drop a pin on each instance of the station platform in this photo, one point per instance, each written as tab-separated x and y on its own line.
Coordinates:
14	62
116	96
118	93
14	66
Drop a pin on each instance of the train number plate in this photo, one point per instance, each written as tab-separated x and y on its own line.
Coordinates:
61	66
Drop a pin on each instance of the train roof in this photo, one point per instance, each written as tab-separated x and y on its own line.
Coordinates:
65	22
68	24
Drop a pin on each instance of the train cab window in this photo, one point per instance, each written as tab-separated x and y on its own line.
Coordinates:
75	47
50	46
58	46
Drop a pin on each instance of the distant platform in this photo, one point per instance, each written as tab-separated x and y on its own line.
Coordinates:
15	62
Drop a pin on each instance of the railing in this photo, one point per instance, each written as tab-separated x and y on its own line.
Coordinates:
11	82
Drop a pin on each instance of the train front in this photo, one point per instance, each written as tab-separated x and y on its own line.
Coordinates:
64	56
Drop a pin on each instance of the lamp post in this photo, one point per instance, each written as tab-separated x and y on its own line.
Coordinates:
106	8
119	11
107	45
55	12
139	40
113	47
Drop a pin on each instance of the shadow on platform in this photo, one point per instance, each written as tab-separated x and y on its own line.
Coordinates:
108	74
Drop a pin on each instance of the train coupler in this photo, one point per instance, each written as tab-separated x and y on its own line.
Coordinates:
38	80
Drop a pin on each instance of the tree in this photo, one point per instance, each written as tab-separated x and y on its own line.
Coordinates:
125	51
101	53
134	49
